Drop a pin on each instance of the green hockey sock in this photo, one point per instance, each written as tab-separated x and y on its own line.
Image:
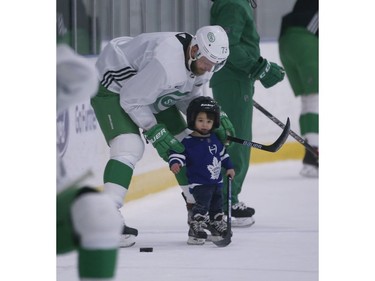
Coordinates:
118	173
98	264
309	123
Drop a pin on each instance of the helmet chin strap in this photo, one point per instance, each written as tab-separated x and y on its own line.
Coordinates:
191	59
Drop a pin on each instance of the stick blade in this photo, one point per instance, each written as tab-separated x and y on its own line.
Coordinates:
281	139
270	148
225	241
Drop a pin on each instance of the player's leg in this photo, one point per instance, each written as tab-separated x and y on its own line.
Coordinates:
98	225
236	99
299	54
126	149
216	225
199	214
88	221
309	119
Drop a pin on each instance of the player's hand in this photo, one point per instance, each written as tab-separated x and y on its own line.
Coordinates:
163	141
176	168
230	173
226	128
268	73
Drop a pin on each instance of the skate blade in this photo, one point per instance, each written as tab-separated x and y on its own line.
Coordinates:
309	171
214	238
242	222
195	241
127	241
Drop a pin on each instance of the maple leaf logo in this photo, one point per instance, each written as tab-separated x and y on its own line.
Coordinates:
215	169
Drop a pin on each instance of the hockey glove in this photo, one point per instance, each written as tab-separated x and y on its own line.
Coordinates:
268	73
226	128
163	141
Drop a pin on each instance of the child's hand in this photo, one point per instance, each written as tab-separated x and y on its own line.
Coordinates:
175	168
231	173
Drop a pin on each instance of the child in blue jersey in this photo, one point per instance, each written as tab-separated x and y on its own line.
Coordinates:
204	158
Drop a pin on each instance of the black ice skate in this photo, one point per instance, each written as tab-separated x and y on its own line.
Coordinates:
197	235
242	216
128	237
310	167
217	227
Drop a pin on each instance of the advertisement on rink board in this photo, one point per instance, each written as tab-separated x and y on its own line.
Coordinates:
80	143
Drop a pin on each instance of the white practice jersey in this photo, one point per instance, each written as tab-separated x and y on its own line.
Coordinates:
76	82
150	75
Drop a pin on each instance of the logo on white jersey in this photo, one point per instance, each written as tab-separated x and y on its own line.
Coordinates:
62	132
168	100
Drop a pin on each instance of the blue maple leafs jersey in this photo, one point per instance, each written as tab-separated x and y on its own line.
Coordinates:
203	157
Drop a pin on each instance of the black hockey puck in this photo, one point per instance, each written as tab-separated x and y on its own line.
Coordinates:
146	249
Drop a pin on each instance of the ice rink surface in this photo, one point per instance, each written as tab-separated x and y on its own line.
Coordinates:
286	204
282	245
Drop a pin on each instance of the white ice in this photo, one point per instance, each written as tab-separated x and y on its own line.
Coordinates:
282	245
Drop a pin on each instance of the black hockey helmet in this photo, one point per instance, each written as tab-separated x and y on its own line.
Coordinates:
202	104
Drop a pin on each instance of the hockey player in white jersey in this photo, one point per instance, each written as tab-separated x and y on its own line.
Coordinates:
146	85
87	221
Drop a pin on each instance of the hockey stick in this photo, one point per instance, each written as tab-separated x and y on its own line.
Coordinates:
272	147
280	124
227	239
